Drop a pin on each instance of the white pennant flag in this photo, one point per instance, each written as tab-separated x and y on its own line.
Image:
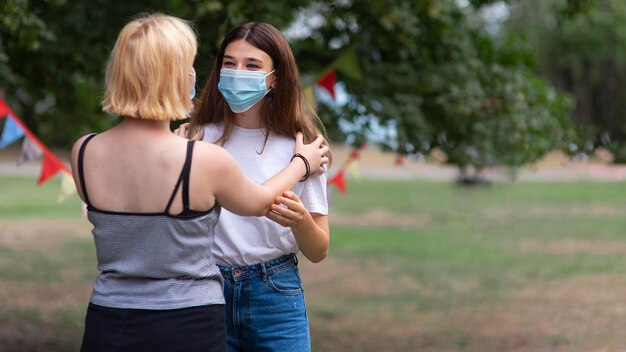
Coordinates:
29	151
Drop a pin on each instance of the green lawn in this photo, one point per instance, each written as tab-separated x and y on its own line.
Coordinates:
508	267
22	198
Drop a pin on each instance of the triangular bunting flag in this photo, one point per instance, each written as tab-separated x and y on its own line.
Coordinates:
328	82
67	187
399	160
308	94
348	64
4	109
353	168
354	155
50	166
339	180
11	132
30	151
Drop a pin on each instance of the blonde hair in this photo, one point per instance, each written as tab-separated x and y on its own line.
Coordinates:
147	75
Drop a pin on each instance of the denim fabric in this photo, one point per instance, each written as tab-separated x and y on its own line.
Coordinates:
265	309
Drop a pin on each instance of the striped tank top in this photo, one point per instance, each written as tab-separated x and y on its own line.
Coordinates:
154	260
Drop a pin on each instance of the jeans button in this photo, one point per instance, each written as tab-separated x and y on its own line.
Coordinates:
237	272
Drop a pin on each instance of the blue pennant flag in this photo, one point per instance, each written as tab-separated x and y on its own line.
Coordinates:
11	132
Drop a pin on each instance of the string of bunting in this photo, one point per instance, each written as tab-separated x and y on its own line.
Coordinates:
351	165
347	63
32	149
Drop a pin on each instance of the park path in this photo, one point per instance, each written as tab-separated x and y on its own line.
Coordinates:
374	164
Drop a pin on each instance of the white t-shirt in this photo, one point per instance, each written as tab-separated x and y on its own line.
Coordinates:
248	240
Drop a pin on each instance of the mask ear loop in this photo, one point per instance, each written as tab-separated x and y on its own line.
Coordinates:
269	73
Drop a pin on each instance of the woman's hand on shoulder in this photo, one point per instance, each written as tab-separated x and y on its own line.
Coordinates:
314	152
183	129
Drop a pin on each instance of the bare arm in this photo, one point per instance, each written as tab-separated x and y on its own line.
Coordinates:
310	230
239	194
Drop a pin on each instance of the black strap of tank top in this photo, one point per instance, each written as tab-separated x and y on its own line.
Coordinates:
184	179
81	175
186	175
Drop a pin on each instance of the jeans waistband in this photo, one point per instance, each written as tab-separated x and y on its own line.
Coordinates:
238	273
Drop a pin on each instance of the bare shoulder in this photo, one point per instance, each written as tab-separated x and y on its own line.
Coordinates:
76	147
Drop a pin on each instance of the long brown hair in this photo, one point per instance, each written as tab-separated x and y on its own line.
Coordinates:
283	110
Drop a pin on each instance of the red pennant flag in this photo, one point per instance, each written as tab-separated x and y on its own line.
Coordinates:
339	180
328	82
399	160
50	166
4	109
355	154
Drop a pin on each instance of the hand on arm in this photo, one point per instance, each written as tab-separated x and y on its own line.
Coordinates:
231	183
310	229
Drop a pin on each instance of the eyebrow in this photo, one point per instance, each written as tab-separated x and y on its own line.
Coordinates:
248	58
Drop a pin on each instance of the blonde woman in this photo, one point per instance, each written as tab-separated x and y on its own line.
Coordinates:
154	199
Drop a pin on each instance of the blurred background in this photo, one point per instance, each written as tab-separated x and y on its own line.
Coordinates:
477	191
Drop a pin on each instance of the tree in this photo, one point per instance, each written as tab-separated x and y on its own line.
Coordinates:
53	53
442	81
431	71
583	54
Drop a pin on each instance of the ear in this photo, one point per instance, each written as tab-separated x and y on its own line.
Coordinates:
273	81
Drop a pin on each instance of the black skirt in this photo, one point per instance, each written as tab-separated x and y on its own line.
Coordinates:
200	328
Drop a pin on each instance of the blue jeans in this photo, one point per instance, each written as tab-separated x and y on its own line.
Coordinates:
265	309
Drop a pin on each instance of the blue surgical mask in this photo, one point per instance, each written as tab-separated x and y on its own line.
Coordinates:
242	89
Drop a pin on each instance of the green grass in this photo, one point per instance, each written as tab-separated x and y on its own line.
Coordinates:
477	248
22	198
470	253
477	231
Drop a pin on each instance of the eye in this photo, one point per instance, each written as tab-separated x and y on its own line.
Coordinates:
253	66
228	63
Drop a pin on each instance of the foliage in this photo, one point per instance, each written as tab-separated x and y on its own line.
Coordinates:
583	55
432	72
53	53
442	81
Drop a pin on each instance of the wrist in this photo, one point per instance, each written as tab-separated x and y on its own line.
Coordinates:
303	223
307	166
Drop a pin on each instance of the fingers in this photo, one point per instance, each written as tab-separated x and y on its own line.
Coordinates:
291	203
283	211
325	149
290	195
198	136
283	216
299	138
277	218
319	140
182	130
325	160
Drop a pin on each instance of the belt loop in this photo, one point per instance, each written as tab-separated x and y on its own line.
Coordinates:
295	258
264	271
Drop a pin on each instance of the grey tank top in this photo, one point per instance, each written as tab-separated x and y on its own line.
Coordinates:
155	260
